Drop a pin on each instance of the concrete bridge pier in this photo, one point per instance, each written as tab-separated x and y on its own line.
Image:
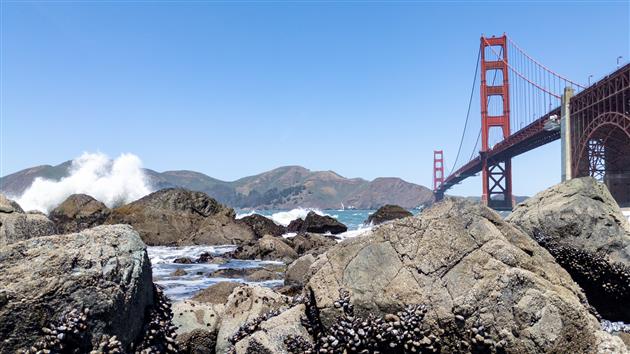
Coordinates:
565	134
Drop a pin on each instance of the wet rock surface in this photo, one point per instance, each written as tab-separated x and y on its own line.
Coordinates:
16	225
387	213
319	224
580	224
99	279
267	248
262	226
78	212
217	293
475	273
182	217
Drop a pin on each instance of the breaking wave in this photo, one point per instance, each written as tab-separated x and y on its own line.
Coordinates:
113	182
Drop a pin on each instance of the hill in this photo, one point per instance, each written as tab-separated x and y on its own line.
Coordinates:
281	188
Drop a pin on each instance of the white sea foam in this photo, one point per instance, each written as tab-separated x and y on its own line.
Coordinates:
284	218
112	182
242	215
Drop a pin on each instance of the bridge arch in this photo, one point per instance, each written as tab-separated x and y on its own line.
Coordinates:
603	152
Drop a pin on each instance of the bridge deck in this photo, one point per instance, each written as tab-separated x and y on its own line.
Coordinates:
526	139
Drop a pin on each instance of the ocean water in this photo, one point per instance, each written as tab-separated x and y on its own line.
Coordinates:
197	275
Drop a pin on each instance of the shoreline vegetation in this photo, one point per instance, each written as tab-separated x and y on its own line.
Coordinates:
455	278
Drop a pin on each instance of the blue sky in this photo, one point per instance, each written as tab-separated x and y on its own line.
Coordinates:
231	89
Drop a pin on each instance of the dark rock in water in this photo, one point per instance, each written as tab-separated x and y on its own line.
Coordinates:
183	260
16	225
387	213
217	293
310	243
182	217
263	226
295	225
209	258
105	270
319	224
231	273
263	275
581	225
266	248
476	273
79	212
179	273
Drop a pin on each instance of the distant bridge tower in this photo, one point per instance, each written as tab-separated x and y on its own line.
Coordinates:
496	173
438	171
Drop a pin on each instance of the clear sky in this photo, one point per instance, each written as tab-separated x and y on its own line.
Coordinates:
234	88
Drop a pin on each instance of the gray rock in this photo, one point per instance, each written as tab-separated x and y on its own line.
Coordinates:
182	217
9	206
581	225
272	333
246	304
104	269
472	270
78	212
197	325
296	271
16	225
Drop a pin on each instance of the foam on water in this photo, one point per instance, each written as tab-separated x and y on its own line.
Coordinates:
196	278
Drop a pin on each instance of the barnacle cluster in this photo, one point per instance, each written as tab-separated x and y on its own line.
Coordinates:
393	333
159	331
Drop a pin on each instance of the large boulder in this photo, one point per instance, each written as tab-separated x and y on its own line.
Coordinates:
484	282
581	225
78	212
387	213
181	217
315	223
267	248
99	278
247	306
262	226
16	225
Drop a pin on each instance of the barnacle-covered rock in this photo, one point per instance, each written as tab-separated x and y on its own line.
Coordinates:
581	225
471	269
245	309
53	280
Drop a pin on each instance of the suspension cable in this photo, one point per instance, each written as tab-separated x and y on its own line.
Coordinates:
472	92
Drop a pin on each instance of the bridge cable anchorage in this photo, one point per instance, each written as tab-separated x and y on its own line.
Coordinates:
472	92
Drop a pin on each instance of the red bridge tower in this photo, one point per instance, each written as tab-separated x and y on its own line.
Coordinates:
496	174
438	169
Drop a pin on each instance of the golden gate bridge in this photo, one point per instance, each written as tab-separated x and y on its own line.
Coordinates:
525	105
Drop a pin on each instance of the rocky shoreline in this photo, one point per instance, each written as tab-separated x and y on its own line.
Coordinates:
456	278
